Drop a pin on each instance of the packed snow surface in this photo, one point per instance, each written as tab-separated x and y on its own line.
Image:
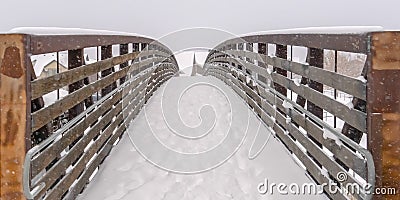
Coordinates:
125	174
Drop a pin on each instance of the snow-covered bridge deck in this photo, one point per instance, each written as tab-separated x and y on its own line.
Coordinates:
125	174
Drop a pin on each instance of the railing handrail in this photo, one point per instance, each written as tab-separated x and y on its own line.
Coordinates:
355	41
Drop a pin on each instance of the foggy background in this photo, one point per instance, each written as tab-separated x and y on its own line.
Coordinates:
159	18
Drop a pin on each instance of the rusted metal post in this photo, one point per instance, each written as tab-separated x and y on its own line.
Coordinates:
143	47
15	112
262	49
123	49
106	52
75	59
383	109
135	48
281	52
316	59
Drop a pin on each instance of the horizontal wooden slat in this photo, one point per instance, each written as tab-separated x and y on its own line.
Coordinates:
340	82
50	153
332	167
311	166
52	175
353	117
75	152
74	191
342	152
329	164
45	85
44	116
84	179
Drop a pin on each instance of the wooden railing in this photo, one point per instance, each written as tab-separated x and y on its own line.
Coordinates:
49	150
289	97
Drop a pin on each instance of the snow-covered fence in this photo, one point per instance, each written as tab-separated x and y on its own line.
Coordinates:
38	162
264	80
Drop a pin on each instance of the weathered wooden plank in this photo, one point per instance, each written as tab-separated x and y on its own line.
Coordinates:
14	113
45	85
84	179
341	82
314	150
80	167
353	117
310	165
346	155
51	152
343	153
44	116
76	150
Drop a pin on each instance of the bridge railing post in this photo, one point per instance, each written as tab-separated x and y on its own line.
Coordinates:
15	102
383	109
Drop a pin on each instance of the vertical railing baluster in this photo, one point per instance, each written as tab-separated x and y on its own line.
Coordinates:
281	52
106	52
123	49
135	48
316	59
75	59
334	89
262	50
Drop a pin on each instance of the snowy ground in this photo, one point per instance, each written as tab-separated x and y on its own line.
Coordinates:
127	175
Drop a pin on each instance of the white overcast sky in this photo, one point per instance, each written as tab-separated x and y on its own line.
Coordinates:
157	18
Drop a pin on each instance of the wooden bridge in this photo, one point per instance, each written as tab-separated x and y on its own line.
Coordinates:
45	151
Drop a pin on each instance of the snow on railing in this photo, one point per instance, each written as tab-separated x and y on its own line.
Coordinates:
68	31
